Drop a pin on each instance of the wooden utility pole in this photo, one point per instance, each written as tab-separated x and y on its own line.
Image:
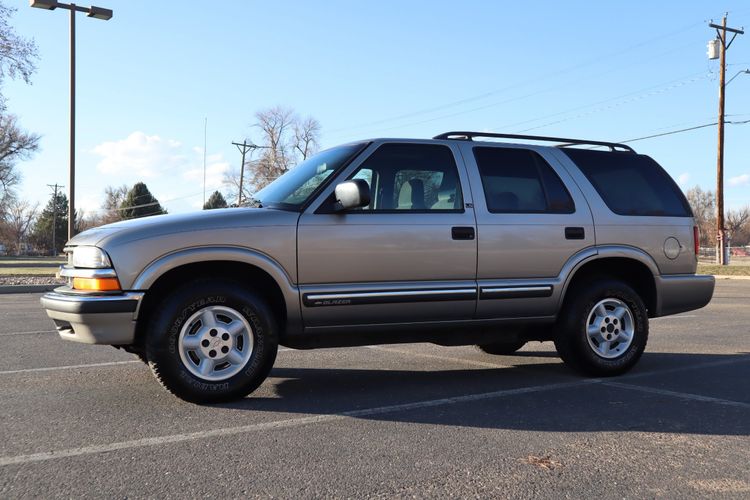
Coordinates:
244	148
54	217
721	33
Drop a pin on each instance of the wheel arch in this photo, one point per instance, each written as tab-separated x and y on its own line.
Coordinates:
630	265
258	270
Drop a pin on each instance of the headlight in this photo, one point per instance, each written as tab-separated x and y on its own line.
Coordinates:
90	258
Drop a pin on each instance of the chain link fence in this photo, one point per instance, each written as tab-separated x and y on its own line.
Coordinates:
739	256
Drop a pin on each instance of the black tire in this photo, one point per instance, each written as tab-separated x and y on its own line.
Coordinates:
502	348
141	355
572	340
169	317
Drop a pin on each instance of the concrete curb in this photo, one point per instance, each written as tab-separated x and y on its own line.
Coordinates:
27	288
730	277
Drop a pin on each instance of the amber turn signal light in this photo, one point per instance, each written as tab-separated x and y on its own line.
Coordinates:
96	284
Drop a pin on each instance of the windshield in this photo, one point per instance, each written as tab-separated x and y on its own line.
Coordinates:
292	189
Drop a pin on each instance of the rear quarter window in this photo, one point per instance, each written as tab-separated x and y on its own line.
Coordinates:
517	180
631	184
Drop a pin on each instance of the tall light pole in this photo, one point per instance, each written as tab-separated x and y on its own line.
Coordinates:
721	38
96	13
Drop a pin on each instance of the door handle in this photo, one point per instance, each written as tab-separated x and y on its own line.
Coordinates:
462	233
575	233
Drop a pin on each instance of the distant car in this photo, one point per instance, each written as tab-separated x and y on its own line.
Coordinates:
451	240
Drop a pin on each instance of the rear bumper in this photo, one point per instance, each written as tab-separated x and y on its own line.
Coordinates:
680	293
93	319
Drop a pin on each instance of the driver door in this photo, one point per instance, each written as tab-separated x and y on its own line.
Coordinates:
409	256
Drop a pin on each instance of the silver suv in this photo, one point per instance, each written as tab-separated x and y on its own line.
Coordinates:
452	241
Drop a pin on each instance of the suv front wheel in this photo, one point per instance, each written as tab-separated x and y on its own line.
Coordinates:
603	329
211	341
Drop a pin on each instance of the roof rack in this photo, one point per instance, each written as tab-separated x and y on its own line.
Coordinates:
469	136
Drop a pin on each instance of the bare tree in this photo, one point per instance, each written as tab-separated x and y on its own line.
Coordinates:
285	140
4	200
17	54
306	133
113	198
736	223
276	125
703	204
19	218
15	144
17	60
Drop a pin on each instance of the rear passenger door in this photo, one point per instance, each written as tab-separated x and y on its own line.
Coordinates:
409	256
531	220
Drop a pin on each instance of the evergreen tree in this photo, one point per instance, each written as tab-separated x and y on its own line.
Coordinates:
216	200
41	236
139	202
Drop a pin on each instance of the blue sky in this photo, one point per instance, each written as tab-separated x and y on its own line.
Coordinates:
148	78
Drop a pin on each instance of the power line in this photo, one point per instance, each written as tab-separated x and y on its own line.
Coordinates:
696	127
484	95
669	133
634	96
512	99
510	87
99	210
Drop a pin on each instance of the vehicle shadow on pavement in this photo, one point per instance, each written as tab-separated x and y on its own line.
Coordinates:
667	392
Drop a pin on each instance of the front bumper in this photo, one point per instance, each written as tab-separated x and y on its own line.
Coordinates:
93	319
684	292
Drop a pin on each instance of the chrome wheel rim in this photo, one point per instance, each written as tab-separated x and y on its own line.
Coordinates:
215	343
610	328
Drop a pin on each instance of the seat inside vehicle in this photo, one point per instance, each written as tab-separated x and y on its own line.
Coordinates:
411	195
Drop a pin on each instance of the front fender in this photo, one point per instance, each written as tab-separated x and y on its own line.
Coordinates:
173	260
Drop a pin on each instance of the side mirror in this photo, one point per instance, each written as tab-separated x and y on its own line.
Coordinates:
352	194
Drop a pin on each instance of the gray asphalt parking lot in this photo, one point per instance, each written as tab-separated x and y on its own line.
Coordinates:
398	420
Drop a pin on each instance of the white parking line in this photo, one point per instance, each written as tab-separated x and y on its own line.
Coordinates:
92	365
681	395
738	358
280	424
296	422
67	367
9	334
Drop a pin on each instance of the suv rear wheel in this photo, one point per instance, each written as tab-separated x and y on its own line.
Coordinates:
211	341
604	328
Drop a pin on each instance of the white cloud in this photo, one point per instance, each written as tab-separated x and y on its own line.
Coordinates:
740	180
140	154
216	167
88	203
683	179
173	170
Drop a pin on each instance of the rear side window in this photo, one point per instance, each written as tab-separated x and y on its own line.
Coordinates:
520	181
631	184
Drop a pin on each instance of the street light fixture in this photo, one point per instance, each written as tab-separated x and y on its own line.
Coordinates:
743	71
96	13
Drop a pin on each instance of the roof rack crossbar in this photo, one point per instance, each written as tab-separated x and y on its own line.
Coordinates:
564	142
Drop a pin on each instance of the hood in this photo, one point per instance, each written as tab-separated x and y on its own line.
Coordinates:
157	225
